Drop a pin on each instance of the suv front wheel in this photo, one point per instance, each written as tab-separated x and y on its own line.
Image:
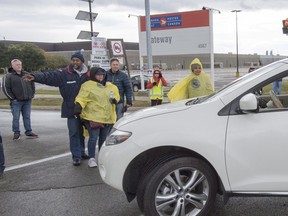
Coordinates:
182	186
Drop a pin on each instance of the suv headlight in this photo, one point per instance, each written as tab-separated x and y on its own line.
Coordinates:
117	137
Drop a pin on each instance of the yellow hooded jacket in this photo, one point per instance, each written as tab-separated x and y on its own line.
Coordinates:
192	85
94	100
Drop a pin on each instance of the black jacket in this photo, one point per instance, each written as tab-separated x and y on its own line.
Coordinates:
16	88
69	83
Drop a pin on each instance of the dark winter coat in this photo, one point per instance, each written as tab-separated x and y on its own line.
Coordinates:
16	88
69	83
121	80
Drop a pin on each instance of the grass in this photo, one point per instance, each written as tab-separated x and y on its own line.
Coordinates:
52	102
47	92
284	88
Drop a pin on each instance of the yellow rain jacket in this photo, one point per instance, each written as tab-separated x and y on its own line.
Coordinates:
192	85
94	100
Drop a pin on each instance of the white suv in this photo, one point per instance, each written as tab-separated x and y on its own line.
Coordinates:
174	158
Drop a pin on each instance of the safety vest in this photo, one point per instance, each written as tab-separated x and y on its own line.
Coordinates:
157	91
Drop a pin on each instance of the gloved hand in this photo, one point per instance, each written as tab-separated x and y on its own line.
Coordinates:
154	83
77	109
113	100
160	76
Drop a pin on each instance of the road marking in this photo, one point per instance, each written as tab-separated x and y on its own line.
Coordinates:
36	162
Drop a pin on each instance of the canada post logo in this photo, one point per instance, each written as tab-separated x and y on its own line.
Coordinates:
166	21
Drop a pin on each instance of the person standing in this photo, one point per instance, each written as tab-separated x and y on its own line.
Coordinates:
197	84
277	85
95	104
20	93
121	80
69	81
2	158
155	84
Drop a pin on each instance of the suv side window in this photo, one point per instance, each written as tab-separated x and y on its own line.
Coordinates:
274	95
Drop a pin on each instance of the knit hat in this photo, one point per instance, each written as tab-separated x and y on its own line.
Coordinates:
78	55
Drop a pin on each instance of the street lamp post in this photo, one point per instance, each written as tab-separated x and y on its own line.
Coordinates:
211	40
148	36
237	58
140	57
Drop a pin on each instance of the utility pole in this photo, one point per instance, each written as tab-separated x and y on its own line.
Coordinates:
237	57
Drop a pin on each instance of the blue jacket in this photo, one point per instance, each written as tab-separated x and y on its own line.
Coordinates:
69	83
121	80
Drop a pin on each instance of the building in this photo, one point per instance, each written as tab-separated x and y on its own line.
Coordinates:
165	62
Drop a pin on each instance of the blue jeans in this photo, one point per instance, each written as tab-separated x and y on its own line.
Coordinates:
23	107
2	158
119	110
95	134
76	137
277	87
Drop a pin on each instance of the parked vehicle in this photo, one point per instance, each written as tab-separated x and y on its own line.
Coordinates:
252	69
176	157
136	82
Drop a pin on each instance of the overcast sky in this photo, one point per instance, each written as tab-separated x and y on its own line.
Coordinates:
259	23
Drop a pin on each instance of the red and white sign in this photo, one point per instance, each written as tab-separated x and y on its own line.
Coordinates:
117	48
99	46
177	33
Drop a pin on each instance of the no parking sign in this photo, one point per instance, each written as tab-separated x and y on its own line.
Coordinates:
117	48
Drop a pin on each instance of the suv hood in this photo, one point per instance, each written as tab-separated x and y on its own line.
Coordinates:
153	111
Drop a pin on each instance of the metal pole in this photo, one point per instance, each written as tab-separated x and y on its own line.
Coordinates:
211	46
140	57
237	70
237	57
148	36
211	41
91	23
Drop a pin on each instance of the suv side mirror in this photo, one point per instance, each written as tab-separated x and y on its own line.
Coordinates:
249	103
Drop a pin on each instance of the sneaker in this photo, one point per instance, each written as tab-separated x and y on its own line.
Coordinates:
92	163
32	135
76	162
16	136
85	157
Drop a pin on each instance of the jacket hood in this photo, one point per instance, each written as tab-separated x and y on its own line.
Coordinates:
96	70
10	70
196	61
156	71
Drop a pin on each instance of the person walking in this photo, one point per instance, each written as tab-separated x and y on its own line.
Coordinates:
155	84
69	81
197	84
20	93
121	80
2	158
95	104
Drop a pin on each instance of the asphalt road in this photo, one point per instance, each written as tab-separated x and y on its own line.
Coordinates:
40	179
